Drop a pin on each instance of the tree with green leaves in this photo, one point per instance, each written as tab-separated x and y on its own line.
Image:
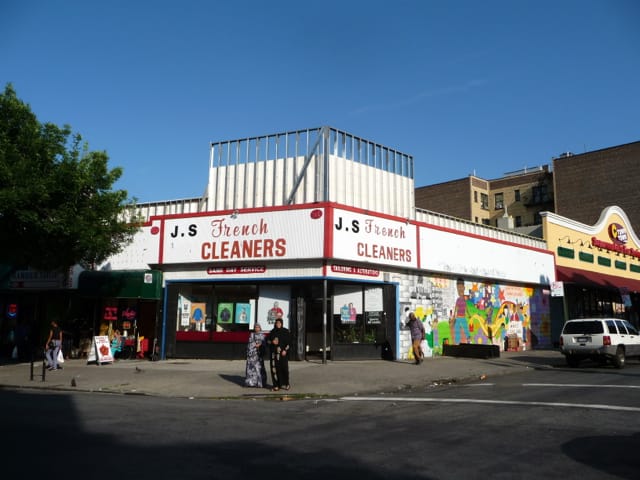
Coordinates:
58	207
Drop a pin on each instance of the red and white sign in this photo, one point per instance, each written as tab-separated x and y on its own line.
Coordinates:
370	239
278	235
557	289
100	351
236	270
350	270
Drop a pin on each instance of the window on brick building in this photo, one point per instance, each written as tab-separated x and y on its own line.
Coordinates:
484	201
540	194
516	193
499	201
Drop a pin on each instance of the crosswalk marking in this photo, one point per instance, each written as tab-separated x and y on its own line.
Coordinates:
577	385
594	406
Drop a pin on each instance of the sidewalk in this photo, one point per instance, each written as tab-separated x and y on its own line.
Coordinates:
188	378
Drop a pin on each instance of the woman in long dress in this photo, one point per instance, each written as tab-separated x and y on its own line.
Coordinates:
279	339
256	375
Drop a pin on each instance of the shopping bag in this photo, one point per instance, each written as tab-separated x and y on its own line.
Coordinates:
60	356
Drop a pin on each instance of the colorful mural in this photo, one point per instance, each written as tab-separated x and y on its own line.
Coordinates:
456	311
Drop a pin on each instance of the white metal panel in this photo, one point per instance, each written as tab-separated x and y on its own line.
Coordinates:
453	253
139	254
249	192
370	188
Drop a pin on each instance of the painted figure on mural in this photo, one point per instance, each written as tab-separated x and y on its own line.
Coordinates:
460	315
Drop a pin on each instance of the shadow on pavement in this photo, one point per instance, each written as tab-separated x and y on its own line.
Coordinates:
45	435
615	455
235	379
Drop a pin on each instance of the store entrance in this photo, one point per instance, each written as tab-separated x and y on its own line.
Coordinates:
313	334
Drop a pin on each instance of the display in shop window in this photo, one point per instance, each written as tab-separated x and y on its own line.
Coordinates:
129	314
110	313
374	318
273	303
348	313
243	313
275	313
225	312
348	301
184	310
198	316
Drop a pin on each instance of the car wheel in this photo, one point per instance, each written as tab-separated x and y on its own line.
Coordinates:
619	358
573	361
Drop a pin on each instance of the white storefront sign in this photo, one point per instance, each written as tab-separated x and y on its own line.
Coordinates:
278	235
371	239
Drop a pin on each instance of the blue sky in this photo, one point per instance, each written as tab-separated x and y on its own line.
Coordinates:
463	86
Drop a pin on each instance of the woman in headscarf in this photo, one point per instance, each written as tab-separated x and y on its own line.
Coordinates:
256	375
279	340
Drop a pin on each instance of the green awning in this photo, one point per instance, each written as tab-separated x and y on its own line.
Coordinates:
145	284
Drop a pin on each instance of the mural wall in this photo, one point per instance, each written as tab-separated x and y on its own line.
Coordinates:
455	311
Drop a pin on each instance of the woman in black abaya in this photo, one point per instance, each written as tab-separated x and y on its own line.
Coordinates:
279	340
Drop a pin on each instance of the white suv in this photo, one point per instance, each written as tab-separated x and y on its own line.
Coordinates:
599	339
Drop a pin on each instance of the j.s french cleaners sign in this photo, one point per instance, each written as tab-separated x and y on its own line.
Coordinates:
371	239
279	235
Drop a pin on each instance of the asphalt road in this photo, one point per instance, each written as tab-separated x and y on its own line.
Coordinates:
560	423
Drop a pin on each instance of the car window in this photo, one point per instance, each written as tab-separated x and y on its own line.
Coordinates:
630	328
588	327
621	327
613	327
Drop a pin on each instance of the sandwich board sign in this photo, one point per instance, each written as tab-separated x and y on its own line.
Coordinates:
100	351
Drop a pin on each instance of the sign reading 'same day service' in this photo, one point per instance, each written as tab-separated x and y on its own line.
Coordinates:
366	238
279	235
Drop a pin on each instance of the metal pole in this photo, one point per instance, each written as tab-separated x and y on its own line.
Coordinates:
324	321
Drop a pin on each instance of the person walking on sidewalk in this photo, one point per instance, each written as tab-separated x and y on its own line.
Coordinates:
279	340
53	345
417	336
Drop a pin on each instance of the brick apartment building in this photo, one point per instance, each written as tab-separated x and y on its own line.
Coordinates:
585	184
577	186
522	195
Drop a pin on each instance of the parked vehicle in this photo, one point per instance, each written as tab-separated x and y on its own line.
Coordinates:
599	339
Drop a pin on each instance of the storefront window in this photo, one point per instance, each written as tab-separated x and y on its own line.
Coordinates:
220	308
120	314
226	312
195	304
357	314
